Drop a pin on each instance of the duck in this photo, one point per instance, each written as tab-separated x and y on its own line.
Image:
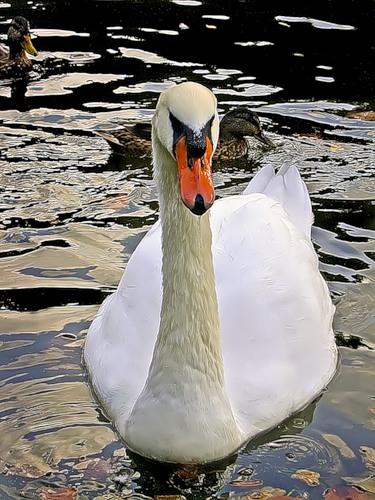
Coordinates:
235	127
221	325
14	62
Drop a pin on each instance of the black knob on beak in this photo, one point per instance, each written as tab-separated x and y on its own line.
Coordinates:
199	207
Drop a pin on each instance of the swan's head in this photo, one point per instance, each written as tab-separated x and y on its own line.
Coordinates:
186	125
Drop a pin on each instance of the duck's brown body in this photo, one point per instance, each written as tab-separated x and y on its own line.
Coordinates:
235	126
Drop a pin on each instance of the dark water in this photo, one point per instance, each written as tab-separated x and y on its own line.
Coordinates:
71	213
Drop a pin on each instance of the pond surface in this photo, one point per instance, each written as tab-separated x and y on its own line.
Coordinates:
71	213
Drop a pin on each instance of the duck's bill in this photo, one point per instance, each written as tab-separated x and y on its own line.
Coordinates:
28	46
196	185
264	140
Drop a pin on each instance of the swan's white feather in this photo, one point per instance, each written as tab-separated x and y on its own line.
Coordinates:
276	358
287	188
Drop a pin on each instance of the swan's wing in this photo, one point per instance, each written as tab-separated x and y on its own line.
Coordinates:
287	188
121	338
275	311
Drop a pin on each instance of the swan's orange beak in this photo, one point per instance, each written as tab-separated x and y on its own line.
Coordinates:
196	185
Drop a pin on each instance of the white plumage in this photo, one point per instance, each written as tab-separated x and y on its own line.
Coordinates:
242	337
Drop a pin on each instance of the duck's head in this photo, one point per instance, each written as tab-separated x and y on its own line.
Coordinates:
19	38
242	122
186	126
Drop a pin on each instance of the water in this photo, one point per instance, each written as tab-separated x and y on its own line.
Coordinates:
71	213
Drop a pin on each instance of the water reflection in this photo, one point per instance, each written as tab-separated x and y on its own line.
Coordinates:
71	214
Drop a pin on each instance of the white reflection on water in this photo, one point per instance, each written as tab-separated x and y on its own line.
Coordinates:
53	32
152	58
63	84
317	23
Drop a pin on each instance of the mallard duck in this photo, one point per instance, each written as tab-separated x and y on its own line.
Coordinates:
15	62
235	127
221	326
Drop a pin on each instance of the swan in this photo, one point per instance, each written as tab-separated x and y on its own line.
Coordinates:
235	128
221	326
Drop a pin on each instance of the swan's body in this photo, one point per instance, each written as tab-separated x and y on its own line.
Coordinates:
221	326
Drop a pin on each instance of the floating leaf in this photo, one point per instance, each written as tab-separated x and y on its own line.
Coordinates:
335	147
169	497
345	493
286	497
368	457
337	442
310	477
94	468
116	201
315	135
365	483
64	493
265	493
362	115
246	483
27	470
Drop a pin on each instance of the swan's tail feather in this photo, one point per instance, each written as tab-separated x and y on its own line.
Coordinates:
287	188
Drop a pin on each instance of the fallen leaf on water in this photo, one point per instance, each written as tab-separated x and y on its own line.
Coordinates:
246	483
286	497
365	483
345	493
362	115
63	493
265	493
368	457
116	201
94	468
316	135
27	470
335	147
372	410
310	477
337	442
169	497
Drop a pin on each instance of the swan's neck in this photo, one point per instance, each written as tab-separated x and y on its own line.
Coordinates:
183	412
189	325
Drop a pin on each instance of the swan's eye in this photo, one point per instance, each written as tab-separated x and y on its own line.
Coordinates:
208	127
178	128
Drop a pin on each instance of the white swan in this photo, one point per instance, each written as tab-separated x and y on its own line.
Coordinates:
221	326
